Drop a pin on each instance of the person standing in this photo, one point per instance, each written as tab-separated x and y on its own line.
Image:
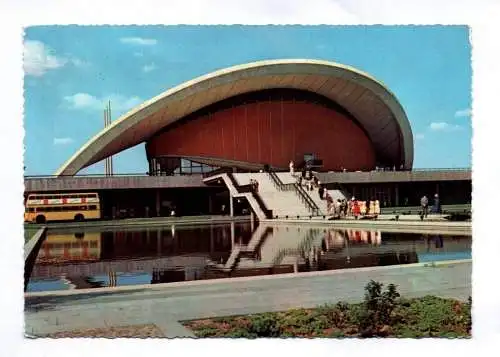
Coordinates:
437	207
292	169
356	211
424	204
321	191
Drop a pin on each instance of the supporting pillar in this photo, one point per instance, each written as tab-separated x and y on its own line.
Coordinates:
232	235
211	239
157	203
210	204
158	242
396	195
231	205
252	220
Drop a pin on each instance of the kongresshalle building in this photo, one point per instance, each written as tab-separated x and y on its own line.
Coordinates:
255	115
267	112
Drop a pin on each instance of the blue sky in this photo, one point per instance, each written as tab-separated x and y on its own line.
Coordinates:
71	71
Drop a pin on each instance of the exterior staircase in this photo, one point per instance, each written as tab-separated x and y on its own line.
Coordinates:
311	208
236	190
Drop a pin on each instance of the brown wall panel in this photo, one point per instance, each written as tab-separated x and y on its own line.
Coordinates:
271	132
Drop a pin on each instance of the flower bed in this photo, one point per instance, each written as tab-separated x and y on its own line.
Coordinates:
382	314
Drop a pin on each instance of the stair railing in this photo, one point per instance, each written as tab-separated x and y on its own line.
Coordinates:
299	191
248	188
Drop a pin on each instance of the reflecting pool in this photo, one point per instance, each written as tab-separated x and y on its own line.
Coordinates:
71	259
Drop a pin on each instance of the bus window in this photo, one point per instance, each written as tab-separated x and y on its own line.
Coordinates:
93	207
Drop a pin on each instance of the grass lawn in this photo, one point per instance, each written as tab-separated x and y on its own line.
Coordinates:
382	314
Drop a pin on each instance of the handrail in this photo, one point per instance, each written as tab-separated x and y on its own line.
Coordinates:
256	196
305	198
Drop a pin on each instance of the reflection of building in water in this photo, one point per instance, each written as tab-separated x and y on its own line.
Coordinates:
108	255
171	255
364	236
70	247
295	249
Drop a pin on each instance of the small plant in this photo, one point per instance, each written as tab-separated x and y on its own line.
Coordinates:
375	314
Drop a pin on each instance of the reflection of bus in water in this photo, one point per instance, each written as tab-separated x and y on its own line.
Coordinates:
41	208
67	247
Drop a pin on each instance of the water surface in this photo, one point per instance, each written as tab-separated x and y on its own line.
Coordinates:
70	259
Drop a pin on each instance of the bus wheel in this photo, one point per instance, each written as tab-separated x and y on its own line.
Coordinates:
79	217
40	219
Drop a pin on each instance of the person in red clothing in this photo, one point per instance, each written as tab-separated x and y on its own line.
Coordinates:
355	208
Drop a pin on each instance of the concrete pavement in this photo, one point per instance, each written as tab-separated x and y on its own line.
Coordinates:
166	304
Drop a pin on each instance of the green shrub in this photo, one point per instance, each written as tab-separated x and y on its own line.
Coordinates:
265	325
375	314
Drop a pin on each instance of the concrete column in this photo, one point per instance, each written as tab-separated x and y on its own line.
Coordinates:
211	239
157	203
252	220
210	205
158	242
231	205
232	235
396	195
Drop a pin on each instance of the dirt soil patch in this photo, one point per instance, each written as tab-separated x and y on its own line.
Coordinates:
131	331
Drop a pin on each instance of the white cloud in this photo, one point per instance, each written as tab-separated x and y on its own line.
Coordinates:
62	141
419	136
149	67
139	41
85	101
82	101
463	113
38	59
443	126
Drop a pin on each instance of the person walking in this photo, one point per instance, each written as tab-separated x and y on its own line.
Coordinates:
424	204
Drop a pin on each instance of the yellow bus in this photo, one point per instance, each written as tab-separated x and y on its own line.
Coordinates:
41	208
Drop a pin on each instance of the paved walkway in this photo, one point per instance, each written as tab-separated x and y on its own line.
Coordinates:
411	224
166	304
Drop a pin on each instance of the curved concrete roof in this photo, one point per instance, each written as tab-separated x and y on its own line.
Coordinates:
374	106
